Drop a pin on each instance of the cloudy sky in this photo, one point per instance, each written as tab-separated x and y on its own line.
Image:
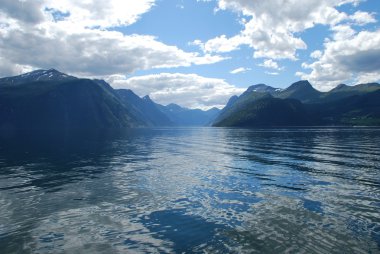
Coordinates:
196	53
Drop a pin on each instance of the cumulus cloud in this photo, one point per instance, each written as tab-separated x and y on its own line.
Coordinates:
316	54
273	29
94	52
273	26
269	63
240	70
272	73
343	60
222	44
103	14
189	90
25	11
342	32
71	36
363	18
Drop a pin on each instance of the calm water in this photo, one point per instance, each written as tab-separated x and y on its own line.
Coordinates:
191	190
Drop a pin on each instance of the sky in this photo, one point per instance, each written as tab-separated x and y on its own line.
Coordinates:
196	53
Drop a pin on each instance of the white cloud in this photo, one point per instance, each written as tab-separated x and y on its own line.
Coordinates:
221	44
94	52
103	14
342	32
272	73
188	90
68	35
269	63
25	11
274	25
363	18
240	70
316	54
90	13
343	60
368	78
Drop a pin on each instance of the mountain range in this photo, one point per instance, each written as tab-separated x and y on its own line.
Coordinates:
49	99
302	105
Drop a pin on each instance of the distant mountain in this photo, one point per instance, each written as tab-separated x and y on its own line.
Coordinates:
181	116
63	104
144	108
340	106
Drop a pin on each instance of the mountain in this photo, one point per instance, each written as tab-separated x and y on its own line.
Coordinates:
344	91
34	76
301	90
48	99
181	116
267	111
144	108
304	92
231	101
237	104
343	105
262	88
359	109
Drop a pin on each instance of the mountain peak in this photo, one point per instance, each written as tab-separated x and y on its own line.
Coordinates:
40	74
261	88
301	90
339	87
231	101
302	84
147	98
37	75
175	107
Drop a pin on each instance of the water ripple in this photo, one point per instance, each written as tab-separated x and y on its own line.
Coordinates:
217	190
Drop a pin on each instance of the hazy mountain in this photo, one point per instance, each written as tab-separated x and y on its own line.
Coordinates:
181	116
340	106
63	104
144	108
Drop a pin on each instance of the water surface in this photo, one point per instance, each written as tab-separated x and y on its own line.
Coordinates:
217	190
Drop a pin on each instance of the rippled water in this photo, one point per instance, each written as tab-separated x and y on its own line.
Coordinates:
191	190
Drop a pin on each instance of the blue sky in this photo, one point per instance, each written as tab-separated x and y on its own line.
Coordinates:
196	53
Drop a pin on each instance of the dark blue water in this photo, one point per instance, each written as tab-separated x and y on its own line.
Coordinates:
191	190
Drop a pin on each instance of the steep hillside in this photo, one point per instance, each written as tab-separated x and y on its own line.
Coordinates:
267	112
74	104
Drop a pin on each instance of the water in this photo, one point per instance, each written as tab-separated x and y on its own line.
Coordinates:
191	190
